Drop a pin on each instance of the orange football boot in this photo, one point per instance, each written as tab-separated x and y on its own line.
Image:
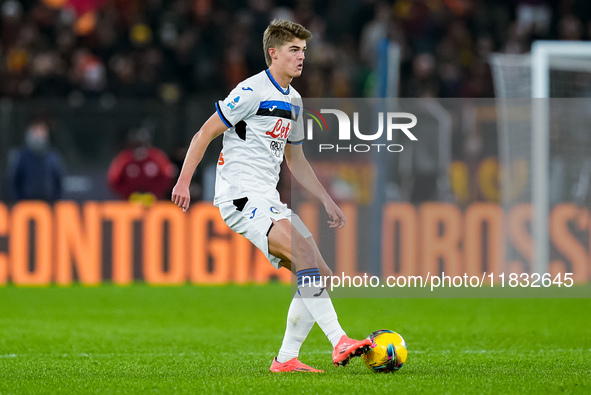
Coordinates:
348	348
293	365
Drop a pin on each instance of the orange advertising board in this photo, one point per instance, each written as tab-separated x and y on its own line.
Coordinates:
99	241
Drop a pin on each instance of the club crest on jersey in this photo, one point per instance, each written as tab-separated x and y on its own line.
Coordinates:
280	130
233	103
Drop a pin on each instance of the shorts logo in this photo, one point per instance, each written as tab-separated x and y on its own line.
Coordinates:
253	213
274	210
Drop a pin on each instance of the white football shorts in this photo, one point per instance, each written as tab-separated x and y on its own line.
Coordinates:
251	217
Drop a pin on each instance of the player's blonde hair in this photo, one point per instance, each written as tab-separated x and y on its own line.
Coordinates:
281	32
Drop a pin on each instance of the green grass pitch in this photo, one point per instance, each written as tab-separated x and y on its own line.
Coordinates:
188	339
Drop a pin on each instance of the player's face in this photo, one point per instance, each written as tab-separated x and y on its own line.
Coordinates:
290	58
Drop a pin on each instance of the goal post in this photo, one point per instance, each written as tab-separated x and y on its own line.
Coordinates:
554	69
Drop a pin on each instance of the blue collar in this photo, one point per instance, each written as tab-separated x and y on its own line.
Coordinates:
285	92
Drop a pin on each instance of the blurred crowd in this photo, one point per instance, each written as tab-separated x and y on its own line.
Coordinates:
174	48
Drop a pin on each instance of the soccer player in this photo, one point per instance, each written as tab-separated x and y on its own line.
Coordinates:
258	120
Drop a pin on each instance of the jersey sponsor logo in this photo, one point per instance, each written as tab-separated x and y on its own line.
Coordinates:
253	213
274	210
279	130
233	103
273	108
248	88
277	148
221	161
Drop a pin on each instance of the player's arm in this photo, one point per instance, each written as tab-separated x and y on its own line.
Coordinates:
302	171
211	129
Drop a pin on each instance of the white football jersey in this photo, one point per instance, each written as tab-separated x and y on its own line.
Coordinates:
262	117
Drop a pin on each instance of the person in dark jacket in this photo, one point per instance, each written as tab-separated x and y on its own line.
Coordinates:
36	170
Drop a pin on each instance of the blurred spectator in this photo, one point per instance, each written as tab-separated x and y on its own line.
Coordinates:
176	48
89	72
140	172
36	170
570	28
424	82
533	16
374	31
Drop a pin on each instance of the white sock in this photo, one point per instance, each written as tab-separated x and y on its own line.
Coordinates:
318	302
299	324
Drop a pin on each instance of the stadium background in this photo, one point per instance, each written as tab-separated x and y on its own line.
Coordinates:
94	70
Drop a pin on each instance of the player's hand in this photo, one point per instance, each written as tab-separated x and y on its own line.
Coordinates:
338	219
181	196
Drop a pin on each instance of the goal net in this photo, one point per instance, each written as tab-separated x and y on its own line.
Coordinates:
544	115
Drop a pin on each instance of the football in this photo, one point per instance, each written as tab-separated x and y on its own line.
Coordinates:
388	352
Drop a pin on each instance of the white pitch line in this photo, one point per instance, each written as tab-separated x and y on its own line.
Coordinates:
410	351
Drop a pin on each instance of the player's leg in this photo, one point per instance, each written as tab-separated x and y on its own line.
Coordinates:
323	268
255	229
299	324
299	319
287	243
346	348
